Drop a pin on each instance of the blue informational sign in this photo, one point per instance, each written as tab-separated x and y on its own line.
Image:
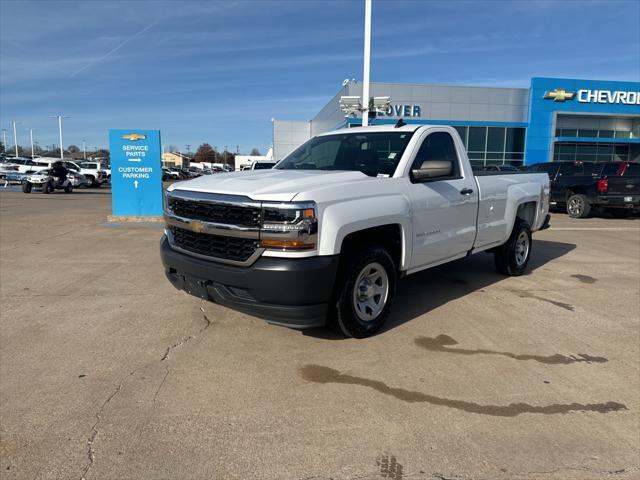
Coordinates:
136	172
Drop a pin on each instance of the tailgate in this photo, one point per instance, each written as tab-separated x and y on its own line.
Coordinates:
624	186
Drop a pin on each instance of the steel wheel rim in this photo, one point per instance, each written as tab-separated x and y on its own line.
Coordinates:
575	206
370	292
522	248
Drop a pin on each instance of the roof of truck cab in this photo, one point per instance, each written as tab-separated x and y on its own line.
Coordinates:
378	128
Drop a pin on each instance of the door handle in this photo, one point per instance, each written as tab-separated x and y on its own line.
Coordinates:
466	191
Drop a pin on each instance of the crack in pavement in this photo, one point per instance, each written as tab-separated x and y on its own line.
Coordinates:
94	429
153	404
190	337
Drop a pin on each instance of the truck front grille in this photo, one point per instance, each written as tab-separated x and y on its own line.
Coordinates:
218	246
244	216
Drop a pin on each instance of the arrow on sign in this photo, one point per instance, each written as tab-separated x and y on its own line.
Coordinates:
135	183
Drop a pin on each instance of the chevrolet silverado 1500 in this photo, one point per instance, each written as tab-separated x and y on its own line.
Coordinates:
323	238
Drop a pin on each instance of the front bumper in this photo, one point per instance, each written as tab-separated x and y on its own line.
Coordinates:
294	292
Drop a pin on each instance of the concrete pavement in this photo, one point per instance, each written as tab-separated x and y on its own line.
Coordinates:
107	372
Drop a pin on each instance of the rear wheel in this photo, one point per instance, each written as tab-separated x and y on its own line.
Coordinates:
47	187
512	257
366	292
68	188
578	206
26	187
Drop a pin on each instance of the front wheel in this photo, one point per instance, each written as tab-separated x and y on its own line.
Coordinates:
26	187
512	257
578	206
366	292
47	187
68	188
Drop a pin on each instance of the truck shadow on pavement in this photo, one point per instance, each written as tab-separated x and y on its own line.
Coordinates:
427	290
424	291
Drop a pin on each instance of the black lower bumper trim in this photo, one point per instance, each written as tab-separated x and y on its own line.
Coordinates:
285	291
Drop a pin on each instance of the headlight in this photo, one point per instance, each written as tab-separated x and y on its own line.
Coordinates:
289	226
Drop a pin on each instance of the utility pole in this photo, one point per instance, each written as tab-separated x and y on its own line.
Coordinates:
237	149
225	155
84	149
367	63
15	139
60	117
31	137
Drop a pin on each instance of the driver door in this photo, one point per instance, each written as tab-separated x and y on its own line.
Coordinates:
445	207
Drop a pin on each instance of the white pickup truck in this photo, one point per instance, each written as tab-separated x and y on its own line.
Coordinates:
323	238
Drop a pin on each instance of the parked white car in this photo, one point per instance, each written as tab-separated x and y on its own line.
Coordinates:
93	172
324	237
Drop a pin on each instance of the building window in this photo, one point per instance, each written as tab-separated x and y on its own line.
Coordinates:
590	152
588	133
493	145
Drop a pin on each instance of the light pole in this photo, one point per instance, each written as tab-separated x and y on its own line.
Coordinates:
4	140
367	63
31	137
84	149
60	117
15	139
225	155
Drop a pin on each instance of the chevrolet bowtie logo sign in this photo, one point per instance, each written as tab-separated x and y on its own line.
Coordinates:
197	227
134	136
559	95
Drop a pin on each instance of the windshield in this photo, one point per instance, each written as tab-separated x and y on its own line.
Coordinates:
372	153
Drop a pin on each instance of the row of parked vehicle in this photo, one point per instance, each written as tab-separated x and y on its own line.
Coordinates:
87	174
175	173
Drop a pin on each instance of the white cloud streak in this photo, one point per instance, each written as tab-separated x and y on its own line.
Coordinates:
113	50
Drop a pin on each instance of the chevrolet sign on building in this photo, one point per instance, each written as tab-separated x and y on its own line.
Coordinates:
553	119
607	96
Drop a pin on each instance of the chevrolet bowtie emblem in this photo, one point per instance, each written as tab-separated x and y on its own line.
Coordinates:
559	95
134	136
197	227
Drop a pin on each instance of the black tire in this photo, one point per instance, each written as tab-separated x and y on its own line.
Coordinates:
512	257
91	180
369	260
26	187
46	187
578	206
68	188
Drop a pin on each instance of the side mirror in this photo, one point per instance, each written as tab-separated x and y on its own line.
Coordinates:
433	169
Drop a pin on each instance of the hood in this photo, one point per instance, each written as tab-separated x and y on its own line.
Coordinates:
269	185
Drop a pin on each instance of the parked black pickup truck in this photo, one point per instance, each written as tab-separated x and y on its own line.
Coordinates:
581	187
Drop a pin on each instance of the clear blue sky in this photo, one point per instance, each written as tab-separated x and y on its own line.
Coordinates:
217	72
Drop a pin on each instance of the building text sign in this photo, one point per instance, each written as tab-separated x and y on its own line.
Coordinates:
136	172
595	96
401	111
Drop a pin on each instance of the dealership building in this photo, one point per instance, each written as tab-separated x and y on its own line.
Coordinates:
555	119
